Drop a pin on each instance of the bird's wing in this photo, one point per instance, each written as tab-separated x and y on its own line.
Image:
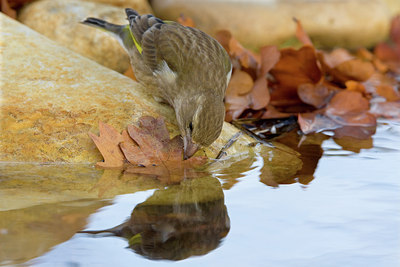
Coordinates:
173	47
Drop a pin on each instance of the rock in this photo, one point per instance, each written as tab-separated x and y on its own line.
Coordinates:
258	23
394	7
142	6
60	20
53	97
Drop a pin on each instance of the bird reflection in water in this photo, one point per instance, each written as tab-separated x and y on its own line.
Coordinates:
175	223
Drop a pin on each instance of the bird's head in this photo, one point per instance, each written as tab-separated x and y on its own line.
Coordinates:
200	119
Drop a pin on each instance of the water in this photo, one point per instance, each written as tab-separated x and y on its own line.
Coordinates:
341	209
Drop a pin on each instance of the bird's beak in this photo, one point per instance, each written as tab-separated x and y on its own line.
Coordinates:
189	148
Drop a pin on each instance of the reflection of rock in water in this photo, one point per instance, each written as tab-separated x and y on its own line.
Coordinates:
177	222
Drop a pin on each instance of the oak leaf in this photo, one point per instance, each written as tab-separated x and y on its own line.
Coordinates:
146	149
108	145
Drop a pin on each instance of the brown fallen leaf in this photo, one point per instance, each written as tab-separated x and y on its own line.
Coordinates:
389	110
147	149
334	58
315	122
259	95
355	86
354	69
129	72
301	33
240	84
6	9
245	57
350	108
295	67
380	85
317	95
160	155
108	145
185	21
269	57
390	52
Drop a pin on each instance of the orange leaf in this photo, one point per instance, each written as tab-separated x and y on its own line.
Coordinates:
336	57
269	57
129	72
354	69
301	35
295	67
386	109
246	58
185	21
107	143
259	95
350	108
241	83
355	86
395	30
6	9
315	122
382	85
317	95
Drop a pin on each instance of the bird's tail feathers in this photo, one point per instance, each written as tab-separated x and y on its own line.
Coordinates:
103	25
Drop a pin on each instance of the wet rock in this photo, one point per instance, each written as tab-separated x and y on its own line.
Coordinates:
60	20
52	97
259	23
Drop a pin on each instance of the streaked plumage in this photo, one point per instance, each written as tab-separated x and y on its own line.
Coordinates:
180	65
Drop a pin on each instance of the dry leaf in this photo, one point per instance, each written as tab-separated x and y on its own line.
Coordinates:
160	155
148	149
6	9
350	108
240	84
354	69
108	145
315	122
246	58
185	21
129	73
301	33
259	95
269	57
294	68
317	95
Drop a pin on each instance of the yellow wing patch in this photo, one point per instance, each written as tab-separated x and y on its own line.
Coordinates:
138	47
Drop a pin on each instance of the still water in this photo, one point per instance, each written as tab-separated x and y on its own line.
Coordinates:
341	209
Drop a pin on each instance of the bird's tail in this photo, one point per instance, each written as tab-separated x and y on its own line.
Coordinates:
120	32
103	25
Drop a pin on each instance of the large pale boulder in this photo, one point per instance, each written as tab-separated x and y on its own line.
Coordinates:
142	6
52	97
60	20
257	23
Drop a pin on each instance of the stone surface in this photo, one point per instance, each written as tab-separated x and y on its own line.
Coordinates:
52	97
142	6
60	20
258	23
394	7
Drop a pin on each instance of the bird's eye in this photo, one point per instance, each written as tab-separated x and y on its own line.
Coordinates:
191	127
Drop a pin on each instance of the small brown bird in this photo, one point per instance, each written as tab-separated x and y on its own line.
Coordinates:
183	67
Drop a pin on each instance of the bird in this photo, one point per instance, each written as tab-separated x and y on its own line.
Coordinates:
181	66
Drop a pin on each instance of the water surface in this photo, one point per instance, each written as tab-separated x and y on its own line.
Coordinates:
341	209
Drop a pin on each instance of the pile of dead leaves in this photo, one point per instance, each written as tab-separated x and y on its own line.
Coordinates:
146	149
327	90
